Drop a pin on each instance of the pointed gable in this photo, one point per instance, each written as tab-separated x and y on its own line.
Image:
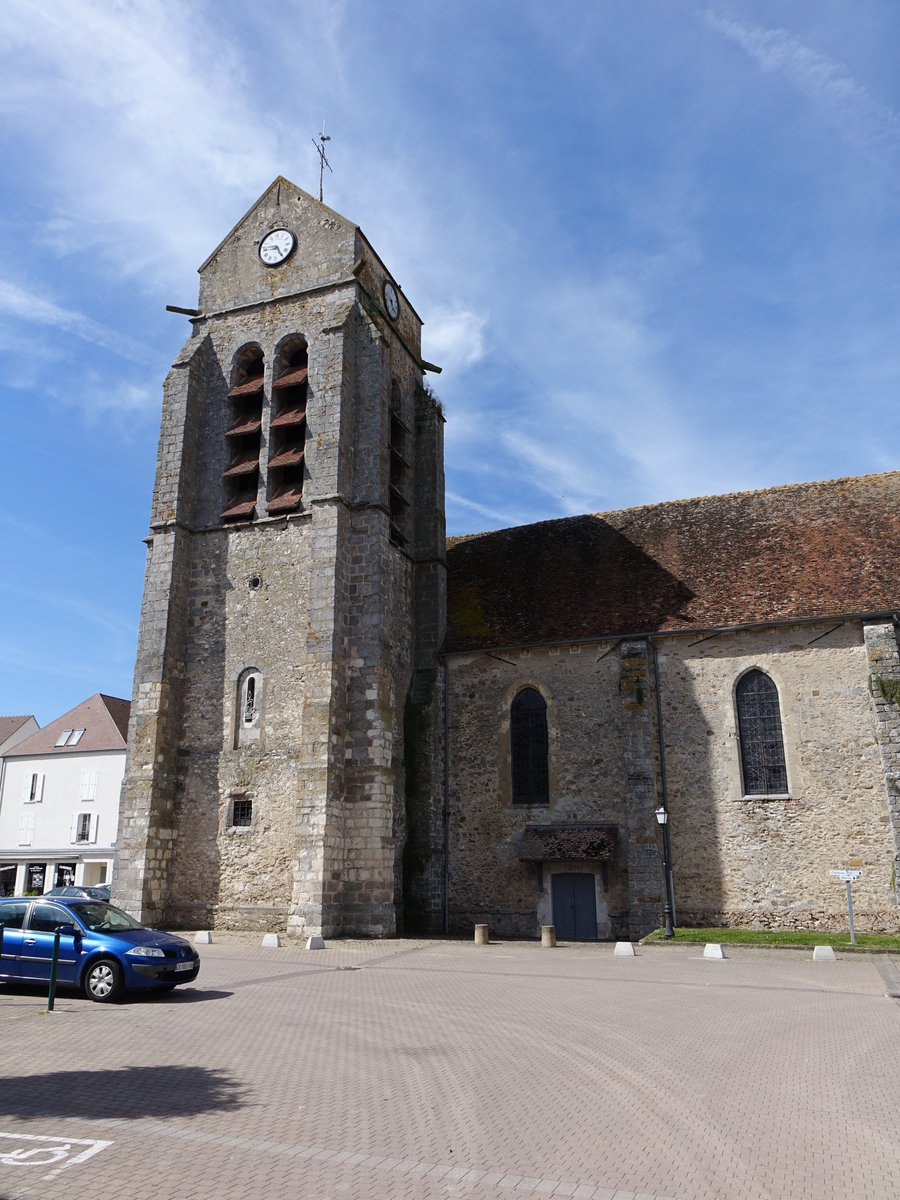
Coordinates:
104	720
326	248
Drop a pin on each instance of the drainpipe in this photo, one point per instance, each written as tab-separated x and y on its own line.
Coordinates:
668	882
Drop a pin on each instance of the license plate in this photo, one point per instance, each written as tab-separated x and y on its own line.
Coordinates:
184	966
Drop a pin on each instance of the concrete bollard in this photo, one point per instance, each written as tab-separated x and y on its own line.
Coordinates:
625	949
824	954
481	935
316	942
271	939
203	937
713	950
548	935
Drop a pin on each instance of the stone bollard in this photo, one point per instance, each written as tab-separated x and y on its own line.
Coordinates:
481	935
203	937
548	935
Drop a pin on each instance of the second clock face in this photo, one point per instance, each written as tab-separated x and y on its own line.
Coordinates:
391	301
276	247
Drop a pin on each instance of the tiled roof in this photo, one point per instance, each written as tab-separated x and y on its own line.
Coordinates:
104	720
801	551
9	726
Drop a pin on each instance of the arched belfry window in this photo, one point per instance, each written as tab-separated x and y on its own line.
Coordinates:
287	428
759	726
528	747
249	707
245	401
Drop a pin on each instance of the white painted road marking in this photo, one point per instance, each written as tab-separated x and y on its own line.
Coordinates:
38	1150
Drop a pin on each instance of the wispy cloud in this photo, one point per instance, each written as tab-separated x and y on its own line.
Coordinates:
872	125
494	516
33	309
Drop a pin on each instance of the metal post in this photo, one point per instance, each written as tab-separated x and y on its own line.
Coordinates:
53	966
850	911
662	818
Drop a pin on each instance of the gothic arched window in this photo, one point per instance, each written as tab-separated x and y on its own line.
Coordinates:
528	748
759	727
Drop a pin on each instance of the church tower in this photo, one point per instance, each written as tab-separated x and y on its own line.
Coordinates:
293	601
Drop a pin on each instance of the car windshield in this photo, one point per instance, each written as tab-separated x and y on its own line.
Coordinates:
94	915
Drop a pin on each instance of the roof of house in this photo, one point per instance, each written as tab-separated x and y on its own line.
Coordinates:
104	720
805	550
11	725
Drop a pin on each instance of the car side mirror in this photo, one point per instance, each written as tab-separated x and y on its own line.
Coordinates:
68	930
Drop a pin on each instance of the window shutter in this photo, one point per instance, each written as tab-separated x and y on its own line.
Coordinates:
95	821
26	789
88	784
39	789
26	829
73	832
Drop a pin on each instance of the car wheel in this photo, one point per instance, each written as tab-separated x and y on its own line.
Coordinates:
104	981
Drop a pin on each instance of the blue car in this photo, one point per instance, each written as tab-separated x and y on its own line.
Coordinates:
102	950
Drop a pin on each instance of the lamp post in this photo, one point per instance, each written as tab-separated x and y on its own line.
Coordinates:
662	818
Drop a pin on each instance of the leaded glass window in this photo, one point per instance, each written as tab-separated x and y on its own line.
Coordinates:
759	725
528	746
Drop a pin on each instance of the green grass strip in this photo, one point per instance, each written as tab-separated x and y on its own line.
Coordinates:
783	937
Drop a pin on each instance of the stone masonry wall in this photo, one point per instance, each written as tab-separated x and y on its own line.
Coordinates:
884	687
743	861
750	861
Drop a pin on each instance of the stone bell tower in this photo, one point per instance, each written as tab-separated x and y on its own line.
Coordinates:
294	595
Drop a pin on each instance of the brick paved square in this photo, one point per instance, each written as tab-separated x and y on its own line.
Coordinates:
438	1069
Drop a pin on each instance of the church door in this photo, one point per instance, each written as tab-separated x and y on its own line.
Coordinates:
575	907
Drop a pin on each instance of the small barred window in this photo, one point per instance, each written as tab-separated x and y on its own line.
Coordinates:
241	813
759	726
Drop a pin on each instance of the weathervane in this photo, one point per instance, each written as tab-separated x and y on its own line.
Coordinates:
323	161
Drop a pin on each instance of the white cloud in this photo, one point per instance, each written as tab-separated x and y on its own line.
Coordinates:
33	309
454	338
852	108
495	516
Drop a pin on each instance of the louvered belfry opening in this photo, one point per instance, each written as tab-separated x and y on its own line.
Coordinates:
400	439
287	437
245	401
762	745
529	748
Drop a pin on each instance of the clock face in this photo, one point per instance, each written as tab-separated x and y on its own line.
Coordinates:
276	246
391	301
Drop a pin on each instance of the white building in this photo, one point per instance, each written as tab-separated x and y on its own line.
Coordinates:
59	798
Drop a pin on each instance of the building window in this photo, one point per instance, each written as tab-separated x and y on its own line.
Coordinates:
33	788
84	827
245	401
528	748
63	737
241	813
287	437
249	708
759	728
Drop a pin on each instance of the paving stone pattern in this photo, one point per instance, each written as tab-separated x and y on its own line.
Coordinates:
438	1069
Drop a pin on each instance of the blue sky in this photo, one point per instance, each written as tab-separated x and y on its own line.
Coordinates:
654	244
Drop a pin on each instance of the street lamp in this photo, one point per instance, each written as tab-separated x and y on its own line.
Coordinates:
662	818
